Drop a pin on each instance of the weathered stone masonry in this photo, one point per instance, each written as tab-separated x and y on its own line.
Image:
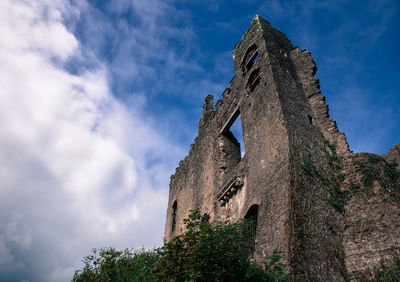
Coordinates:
334	214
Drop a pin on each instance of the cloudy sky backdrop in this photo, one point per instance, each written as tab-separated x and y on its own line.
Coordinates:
99	101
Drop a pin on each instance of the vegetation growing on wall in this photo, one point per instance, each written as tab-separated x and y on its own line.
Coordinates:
389	273
333	182
320	183
338	197
376	168
372	169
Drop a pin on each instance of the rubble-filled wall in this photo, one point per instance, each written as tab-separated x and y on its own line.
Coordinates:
297	176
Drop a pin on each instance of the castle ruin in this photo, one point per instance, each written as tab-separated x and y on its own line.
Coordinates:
334	214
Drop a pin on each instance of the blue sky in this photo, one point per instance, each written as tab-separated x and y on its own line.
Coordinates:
100	101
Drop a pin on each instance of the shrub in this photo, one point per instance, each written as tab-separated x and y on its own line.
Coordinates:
111	265
217	251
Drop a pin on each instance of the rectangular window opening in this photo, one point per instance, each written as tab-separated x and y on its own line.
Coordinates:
234	131
237	131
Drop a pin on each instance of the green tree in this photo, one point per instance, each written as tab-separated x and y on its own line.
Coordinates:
217	251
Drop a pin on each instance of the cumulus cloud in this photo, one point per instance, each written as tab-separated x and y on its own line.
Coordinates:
75	170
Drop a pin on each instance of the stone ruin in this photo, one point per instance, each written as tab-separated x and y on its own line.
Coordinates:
334	214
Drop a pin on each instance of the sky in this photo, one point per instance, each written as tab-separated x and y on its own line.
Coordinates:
99	101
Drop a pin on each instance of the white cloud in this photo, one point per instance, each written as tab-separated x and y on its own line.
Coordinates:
47	33
73	163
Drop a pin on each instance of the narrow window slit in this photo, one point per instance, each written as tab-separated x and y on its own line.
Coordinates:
174	208
310	119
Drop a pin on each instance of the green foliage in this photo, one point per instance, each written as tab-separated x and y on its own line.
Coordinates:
216	251
374	169
111	265
385	173
369	175
392	174
309	169
338	197
389	274
354	187
272	270
335	162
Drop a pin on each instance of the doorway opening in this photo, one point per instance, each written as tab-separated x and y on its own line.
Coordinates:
252	215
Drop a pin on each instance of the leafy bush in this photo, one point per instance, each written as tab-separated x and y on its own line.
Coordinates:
111	265
217	251
206	252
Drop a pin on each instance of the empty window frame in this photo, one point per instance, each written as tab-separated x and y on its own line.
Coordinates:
231	144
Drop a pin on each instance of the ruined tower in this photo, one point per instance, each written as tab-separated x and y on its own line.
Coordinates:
312	198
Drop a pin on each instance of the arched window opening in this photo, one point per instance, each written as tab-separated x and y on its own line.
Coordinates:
174	208
249	59
252	215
